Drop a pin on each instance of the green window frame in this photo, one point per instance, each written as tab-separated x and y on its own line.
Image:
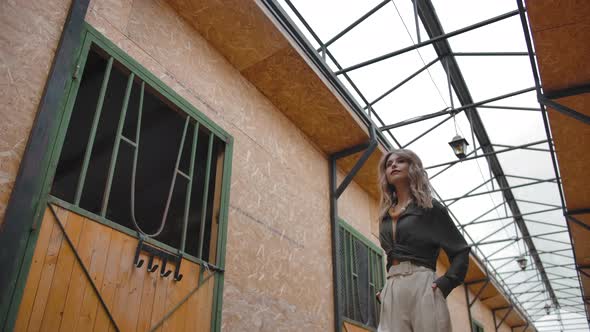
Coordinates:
194	120
91	38
361	277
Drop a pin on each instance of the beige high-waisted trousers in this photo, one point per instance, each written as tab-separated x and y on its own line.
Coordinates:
409	304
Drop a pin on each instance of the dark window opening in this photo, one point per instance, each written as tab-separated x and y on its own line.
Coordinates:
161	126
476	327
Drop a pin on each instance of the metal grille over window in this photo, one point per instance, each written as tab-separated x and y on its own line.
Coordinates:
135	160
361	276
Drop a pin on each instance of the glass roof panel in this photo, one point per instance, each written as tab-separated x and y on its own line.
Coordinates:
483	217
377	79
490	77
514	128
340	16
385	19
457	14
496	37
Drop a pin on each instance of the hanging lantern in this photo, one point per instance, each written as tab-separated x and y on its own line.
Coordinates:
522	262
547	308
459	145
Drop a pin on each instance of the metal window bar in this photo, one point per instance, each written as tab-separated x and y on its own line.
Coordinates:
189	186
92	136
355	295
115	152
345	266
170	191
205	195
135	145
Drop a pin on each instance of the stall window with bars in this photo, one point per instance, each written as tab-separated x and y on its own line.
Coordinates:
361	276
136	159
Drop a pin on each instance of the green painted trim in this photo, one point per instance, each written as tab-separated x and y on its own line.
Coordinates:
92	36
346	264
154	82
38	201
360	236
128	231
205	195
50	160
216	312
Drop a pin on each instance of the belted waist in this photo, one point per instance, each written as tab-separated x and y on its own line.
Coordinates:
405	268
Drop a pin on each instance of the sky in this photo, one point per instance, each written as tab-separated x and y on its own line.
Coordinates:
393	27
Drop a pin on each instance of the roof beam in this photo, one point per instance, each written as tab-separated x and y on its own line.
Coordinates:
434	28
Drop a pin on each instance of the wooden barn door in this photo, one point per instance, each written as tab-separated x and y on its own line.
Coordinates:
82	279
132	235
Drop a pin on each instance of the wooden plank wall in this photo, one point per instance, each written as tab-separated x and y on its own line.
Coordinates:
59	297
348	327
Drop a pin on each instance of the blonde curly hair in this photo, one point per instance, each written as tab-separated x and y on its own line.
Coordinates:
420	189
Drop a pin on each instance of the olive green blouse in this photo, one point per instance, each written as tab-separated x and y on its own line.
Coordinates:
419	236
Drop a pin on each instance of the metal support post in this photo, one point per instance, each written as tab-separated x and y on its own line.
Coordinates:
335	192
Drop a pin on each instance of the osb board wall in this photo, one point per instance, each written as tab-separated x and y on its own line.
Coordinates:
250	41
278	264
59	297
237	28
572	138
582	248
458	309
368	175
359	209
560	33
561	30
580	240
289	83
30	33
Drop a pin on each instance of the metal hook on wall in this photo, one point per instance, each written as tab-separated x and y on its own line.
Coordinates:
151	267
136	261
177	274
163	272
165	256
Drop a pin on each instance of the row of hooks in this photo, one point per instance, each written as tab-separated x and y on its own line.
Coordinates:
164	256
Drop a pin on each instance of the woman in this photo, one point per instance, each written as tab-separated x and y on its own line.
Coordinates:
413	228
